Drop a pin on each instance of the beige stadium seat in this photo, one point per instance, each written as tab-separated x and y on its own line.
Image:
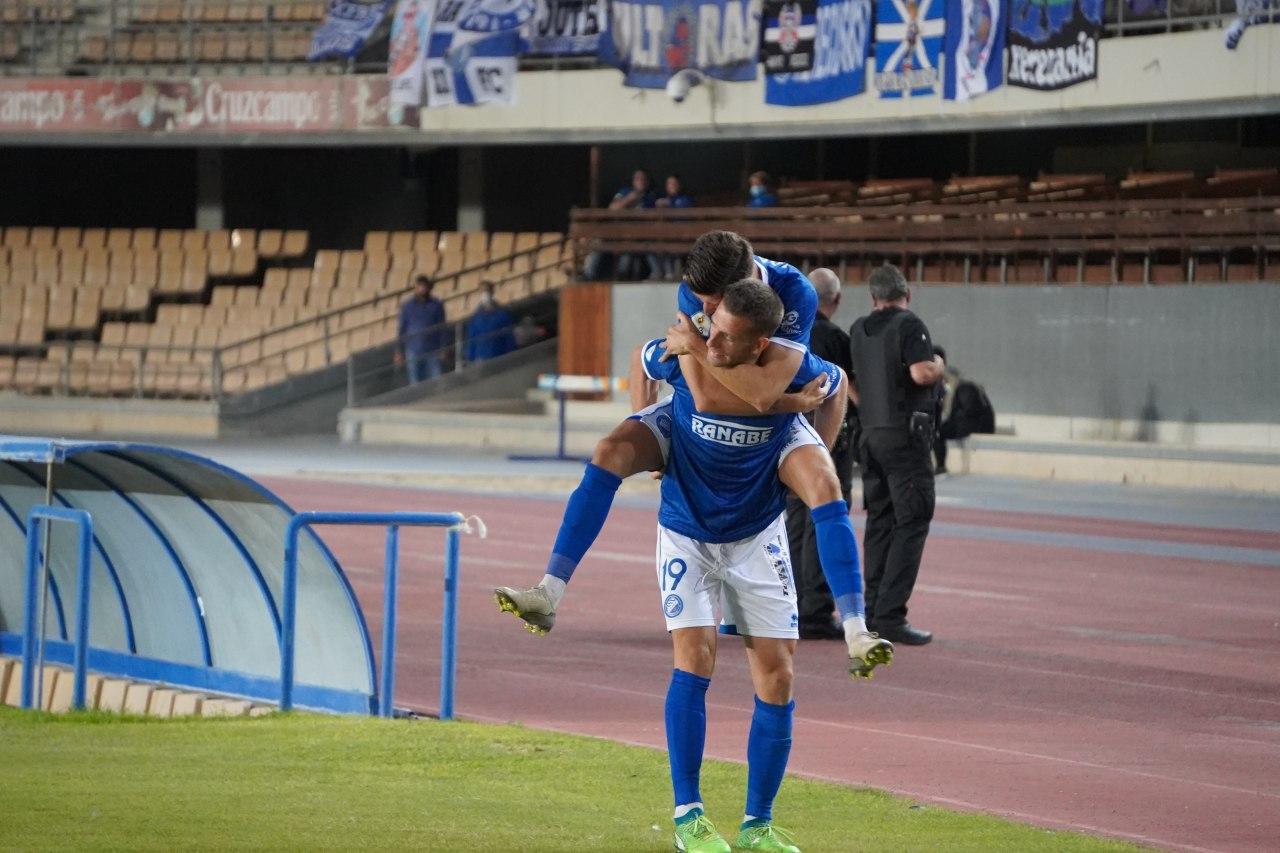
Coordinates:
71	266
93	238
183	336
426	242
450	241
244	261
42	237
88	306
16	236
25	371
136	298
295	244
402	243
6	380
270	243
246	297
502	243
526	241
146	268
377	241
327	259
323	278
169	240
120	239
67	238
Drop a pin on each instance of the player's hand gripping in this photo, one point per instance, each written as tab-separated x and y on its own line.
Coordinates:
682	338
808	398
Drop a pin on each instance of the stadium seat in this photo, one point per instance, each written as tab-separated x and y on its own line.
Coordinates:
112	695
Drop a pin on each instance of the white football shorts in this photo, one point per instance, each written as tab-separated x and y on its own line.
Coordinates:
749	583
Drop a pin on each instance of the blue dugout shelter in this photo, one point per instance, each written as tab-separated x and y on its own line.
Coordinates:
187	571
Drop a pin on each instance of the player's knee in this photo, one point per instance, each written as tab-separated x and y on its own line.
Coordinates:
613	456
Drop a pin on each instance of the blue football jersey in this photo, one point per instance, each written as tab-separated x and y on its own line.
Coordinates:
799	307
721	483
799	303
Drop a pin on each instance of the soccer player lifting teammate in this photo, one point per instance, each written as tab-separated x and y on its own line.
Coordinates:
722	551
765	385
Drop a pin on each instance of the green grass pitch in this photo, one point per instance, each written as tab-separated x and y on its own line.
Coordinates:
96	781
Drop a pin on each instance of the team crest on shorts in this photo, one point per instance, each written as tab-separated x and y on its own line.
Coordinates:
673	606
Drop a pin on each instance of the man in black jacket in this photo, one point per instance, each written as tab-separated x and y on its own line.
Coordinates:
813	596
896	370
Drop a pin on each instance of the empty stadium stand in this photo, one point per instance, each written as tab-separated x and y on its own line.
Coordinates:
207	314
1147	228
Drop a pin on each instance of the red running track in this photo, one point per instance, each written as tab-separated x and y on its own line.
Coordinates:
1114	693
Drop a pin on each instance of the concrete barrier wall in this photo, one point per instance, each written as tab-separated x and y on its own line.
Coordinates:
1181	354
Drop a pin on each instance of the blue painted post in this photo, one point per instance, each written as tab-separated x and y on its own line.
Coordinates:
82	621
389	594
29	627
393	520
84	522
289	616
449	632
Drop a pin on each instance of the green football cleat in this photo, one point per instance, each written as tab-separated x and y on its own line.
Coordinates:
532	605
698	835
866	652
765	836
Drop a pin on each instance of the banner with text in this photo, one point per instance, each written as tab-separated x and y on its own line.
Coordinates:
651	41
218	105
470	67
1053	44
839	58
975	48
346	27
908	47
565	28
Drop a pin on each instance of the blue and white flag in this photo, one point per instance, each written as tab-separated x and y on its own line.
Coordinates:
839	59
651	41
908	47
469	67
566	27
975	48
495	16
346	27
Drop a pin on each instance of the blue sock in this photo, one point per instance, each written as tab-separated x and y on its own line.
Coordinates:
838	553
768	747
584	516
686	713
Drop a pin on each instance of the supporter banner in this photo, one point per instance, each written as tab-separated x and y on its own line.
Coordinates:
495	16
908	44
406	53
469	67
839	59
1140	10
788	30
975	48
651	41
1053	44
216	105
346	27
565	27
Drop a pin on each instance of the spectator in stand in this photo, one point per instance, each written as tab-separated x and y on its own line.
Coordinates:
666	267
421	336
489	331
638	195
527	331
760	191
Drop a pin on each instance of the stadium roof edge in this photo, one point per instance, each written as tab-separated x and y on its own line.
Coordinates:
400	137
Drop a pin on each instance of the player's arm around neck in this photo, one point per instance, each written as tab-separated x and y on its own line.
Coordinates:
759	385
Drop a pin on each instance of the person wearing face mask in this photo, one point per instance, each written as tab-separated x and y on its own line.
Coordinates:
490	332
758	193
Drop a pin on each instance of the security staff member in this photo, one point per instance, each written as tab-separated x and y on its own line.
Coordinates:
894	370
813	596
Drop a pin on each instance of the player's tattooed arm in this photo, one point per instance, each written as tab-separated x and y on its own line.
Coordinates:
759	385
642	389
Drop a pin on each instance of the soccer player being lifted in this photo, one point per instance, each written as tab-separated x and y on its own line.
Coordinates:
764	385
